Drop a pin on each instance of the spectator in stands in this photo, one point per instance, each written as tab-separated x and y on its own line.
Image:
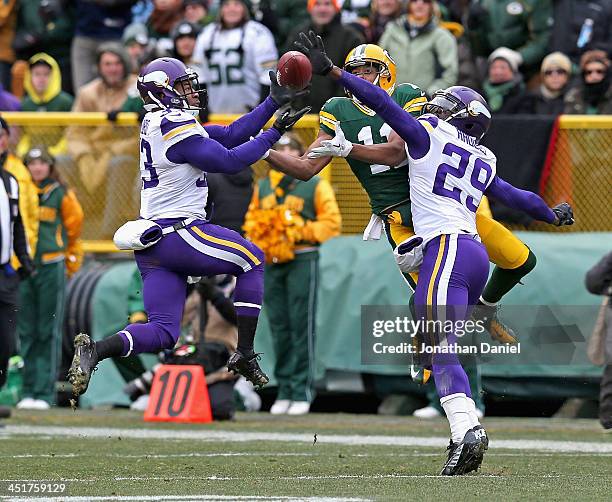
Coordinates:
504	84
599	282
137	45
8	19
184	36
97	22
523	27
425	53
8	102
28	194
290	13
229	196
196	12
46	26
236	54
548	99
41	296
593	94
98	152
382	12
43	86
338	39
581	25
291	272
166	14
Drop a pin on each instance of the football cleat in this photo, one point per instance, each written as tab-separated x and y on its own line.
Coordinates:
83	364
248	367
467	455
499	331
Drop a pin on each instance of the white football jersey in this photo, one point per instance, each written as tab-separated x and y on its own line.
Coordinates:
169	190
235	63
447	184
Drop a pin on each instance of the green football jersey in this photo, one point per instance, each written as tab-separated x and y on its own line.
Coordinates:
385	185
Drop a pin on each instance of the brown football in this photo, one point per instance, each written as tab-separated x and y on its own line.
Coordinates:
294	70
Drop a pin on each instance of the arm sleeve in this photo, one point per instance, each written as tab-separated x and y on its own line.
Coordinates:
208	155
522	200
246	126
599	278
404	124
28	208
329	221
72	218
20	244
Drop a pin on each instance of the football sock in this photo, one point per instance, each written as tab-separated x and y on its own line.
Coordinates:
503	280
111	346
246	334
472	409
457	411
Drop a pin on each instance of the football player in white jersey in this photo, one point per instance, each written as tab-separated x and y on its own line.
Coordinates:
176	153
449	173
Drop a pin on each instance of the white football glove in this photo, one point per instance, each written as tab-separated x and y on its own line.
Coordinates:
338	146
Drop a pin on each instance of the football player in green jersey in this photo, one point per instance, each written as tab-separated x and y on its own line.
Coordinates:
387	186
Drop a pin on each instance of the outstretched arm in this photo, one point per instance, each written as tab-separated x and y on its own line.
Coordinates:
302	167
210	156
522	200
392	153
246	126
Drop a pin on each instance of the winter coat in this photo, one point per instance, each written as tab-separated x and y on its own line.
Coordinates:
338	40
8	102
569	19
45	30
229	197
534	103
503	98
8	20
521	25
426	57
576	105
53	100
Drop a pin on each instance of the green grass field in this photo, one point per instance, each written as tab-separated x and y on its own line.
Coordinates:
116	456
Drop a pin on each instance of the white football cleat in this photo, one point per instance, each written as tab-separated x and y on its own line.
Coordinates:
25	404
280	407
427	413
299	408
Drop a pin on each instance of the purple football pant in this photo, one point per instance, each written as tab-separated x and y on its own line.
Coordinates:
200	249
453	274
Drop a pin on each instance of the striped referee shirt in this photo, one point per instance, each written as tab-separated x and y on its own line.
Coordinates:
12	234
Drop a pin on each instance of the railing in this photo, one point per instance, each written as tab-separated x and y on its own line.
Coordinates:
99	160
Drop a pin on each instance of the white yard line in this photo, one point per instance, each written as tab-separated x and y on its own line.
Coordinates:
170	498
605	446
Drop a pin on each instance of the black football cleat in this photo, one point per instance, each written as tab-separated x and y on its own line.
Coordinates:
465	456
248	367
499	331
83	364
480	433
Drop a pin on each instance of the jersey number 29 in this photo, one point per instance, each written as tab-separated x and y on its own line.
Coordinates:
458	171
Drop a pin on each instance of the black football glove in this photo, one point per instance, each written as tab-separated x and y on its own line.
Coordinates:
26	270
288	119
564	214
112	115
312	46
281	95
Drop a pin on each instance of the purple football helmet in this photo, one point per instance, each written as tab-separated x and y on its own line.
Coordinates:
168	83
462	107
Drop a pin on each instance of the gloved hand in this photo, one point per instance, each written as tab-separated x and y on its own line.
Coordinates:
288	119
564	214
338	146
312	46
112	115
26	270
283	95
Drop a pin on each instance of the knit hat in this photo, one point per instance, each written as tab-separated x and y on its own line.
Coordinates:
39	152
185	29
594	56
513	58
556	60
292	141
203	3
135	32
337	4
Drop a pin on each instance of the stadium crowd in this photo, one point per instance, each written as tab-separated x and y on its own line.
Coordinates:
539	57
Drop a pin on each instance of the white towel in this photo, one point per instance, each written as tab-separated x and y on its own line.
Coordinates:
374	229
